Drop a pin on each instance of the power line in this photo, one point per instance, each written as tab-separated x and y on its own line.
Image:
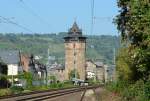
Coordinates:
7	20
103	18
92	15
4	27
35	14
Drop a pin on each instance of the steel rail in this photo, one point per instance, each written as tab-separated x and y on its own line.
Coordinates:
43	95
33	92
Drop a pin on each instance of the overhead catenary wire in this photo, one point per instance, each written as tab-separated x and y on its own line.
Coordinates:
35	14
7	20
109	18
95	18
4	27
92	15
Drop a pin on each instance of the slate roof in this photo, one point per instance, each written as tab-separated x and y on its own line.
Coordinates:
10	56
74	33
75	30
99	64
57	67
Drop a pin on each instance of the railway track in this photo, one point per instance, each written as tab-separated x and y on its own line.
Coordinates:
43	95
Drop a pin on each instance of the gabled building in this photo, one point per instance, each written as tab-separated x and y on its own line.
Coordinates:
58	71
12	59
17	62
100	71
90	70
96	70
32	65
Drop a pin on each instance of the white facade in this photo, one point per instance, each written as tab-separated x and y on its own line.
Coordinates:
12	69
90	75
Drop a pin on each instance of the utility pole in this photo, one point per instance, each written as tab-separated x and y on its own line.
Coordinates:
114	64
48	56
114	60
12	75
47	66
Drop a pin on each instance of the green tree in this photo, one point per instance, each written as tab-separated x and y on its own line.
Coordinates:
73	73
134	24
52	78
27	76
123	65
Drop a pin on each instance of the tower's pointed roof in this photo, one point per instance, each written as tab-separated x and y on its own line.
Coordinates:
75	29
75	34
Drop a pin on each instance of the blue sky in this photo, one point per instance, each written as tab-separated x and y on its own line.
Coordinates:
53	16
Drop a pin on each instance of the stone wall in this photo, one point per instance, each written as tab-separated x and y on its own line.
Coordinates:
100	74
75	59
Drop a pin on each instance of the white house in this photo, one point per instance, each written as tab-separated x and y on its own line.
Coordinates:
12	59
96	70
12	69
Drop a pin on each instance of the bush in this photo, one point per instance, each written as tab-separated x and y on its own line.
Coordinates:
5	92
147	90
53	85
68	84
60	85
4	83
36	88
56	85
138	91
116	86
16	89
65	84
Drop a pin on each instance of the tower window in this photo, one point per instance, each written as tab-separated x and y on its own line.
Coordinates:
75	53
74	62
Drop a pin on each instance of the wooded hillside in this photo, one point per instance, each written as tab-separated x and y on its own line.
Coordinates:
98	47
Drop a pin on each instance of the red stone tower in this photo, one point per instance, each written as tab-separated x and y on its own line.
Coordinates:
75	48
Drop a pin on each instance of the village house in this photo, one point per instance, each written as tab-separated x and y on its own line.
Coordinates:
58	71
100	71
17	63
96	70
12	59
90	70
31	64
